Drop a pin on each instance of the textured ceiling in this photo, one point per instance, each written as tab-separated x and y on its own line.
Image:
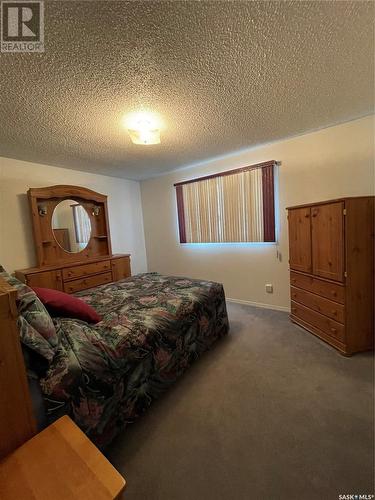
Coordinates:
223	75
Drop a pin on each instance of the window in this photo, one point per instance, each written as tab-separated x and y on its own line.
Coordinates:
82	224
233	206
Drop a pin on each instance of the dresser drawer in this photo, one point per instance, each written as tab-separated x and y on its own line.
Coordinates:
121	268
46	279
320	304
89	282
326	325
320	287
86	269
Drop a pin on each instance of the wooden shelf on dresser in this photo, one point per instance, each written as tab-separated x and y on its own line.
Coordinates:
73	277
331	259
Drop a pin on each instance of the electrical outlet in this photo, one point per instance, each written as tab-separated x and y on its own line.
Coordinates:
269	288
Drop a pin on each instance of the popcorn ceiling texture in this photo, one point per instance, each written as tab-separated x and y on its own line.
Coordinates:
223	75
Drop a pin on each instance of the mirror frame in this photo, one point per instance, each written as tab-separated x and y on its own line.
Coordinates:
43	202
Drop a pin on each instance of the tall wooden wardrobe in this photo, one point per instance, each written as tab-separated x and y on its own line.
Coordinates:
331	259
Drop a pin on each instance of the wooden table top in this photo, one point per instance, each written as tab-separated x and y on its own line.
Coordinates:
59	463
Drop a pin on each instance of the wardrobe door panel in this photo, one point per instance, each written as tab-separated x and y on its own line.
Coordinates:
328	240
299	221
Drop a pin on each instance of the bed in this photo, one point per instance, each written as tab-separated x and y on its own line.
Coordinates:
106	375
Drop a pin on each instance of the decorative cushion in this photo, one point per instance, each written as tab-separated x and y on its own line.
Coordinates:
64	305
36	327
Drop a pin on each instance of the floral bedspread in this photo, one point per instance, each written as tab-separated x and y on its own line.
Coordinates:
153	328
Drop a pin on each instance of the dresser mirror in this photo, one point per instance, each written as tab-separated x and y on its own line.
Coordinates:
71	226
72	241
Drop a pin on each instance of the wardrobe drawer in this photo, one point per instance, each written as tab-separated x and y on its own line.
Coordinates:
326	325
89	282
320	304
320	287
86	269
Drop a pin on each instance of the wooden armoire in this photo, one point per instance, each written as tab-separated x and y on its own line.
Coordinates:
331	260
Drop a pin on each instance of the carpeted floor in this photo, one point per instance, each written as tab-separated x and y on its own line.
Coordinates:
271	412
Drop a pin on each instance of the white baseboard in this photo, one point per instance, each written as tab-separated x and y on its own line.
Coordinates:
259	304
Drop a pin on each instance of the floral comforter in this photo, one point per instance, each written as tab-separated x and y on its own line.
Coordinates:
153	327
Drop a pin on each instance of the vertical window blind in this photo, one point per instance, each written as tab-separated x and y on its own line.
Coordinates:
233	206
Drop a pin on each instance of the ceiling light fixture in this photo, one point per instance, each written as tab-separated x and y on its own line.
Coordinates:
143	128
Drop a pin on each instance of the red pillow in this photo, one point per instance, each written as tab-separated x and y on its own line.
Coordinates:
64	305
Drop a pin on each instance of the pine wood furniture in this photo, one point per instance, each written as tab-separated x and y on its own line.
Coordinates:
331	259
73	277
43	202
69	271
60	463
17	423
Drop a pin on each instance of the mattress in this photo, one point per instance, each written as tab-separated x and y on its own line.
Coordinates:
153	327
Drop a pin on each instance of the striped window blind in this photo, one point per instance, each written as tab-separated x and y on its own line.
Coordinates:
233	206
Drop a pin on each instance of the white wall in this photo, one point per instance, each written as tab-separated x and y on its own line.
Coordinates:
16	239
330	163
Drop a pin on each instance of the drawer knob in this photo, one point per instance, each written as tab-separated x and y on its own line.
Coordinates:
333	330
333	293
334	312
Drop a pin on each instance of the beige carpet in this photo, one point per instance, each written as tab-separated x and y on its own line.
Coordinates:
271	412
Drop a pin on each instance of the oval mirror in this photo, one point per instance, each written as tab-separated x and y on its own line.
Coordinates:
71	226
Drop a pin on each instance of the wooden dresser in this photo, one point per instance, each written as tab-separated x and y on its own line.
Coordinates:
72	240
331	259
73	277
